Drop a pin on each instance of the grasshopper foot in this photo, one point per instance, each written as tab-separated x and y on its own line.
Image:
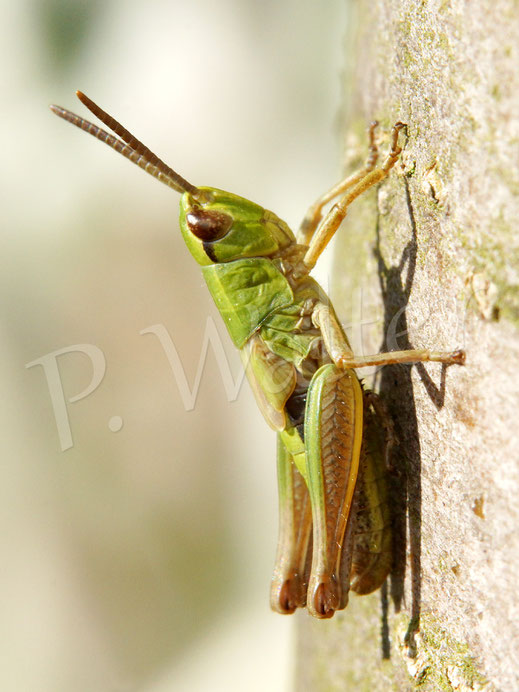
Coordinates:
290	596
395	150
457	357
325	600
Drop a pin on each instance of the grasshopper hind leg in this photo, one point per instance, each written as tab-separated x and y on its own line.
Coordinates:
372	534
290	578
333	438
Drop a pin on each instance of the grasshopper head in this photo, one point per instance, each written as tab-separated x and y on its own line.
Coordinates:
219	227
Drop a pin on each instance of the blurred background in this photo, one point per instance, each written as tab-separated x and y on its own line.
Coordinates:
139	558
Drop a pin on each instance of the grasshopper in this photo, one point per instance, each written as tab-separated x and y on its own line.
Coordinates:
333	436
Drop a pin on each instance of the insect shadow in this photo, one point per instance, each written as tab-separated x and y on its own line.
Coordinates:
397	391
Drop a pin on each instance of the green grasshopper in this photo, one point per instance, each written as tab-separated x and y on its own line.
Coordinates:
333	436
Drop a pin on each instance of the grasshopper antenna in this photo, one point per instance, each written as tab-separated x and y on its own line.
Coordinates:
128	145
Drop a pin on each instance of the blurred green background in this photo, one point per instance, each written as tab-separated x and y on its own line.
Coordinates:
141	559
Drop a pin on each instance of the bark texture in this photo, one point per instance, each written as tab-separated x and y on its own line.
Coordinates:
431	260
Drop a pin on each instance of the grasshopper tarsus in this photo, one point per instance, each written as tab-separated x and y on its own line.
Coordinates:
373	148
325	600
458	357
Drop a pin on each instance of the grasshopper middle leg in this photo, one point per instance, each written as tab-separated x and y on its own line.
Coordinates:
340	351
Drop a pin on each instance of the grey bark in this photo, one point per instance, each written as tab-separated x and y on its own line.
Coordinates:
431	259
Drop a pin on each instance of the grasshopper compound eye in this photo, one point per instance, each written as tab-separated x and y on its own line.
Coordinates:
208	224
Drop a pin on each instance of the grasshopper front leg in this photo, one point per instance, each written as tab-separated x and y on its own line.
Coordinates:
314	214
333	219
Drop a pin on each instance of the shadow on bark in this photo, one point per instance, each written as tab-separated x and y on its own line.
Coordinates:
397	390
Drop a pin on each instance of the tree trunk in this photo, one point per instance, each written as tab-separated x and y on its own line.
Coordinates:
442	235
